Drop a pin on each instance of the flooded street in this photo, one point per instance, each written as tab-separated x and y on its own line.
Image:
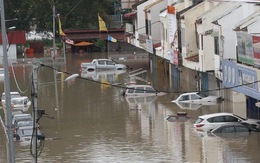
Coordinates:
92	122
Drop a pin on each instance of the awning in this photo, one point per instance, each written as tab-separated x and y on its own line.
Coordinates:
130	14
194	58
83	44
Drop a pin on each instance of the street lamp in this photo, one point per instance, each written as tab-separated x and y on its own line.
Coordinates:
11	154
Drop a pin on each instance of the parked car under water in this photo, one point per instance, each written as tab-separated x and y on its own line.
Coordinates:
141	90
233	130
198	98
24	134
208	122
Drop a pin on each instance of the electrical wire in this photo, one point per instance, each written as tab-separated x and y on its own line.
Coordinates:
170	92
16	83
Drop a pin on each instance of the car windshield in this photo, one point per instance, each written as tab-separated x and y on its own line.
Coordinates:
18	101
24	123
240	117
11	96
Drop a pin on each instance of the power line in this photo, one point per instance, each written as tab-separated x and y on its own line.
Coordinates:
170	92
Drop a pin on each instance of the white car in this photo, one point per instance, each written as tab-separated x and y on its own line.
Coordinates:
20	116
105	64
208	122
24	134
20	102
198	98
12	95
141	91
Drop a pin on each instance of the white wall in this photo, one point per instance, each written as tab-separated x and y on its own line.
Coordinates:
140	26
11	53
228	22
153	15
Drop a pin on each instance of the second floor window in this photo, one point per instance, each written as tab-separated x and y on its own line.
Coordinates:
216	45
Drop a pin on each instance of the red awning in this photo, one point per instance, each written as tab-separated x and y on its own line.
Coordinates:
156	45
130	14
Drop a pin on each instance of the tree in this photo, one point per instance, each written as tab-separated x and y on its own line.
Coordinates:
75	14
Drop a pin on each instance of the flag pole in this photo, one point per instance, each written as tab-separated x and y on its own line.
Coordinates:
107	48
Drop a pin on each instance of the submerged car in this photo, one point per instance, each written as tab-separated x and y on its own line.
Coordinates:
105	64
12	95
17	117
198	98
233	130
24	134
20	102
141	90
22	123
208	122
179	117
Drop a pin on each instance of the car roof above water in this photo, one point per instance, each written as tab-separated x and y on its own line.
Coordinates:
214	114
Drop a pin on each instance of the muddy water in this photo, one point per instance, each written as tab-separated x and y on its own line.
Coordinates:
94	123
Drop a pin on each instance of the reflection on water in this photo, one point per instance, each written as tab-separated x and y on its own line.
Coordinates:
96	124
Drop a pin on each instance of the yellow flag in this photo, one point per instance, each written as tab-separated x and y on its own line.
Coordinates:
60	30
102	24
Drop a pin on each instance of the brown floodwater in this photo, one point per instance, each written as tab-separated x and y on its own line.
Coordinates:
92	122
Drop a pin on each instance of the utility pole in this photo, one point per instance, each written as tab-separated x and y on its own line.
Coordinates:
54	54
35	111
8	118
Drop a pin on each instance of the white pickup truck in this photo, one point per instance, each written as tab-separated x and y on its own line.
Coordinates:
104	64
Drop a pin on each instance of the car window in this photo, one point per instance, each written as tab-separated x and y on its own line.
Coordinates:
184	97
195	97
24	123
199	120
139	90
231	119
228	129
241	129
130	90
150	90
110	63
101	62
216	119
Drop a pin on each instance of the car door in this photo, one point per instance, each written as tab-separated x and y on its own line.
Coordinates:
101	64
139	91
215	122
195	98
149	91
110	64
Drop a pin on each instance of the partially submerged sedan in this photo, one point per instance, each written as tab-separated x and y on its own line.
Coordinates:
233	130
141	90
198	98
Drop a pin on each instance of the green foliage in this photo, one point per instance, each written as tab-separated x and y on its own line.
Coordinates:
74	14
99	45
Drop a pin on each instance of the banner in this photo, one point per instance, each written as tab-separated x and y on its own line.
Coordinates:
245	48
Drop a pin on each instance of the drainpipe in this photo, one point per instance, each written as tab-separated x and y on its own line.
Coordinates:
221	51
